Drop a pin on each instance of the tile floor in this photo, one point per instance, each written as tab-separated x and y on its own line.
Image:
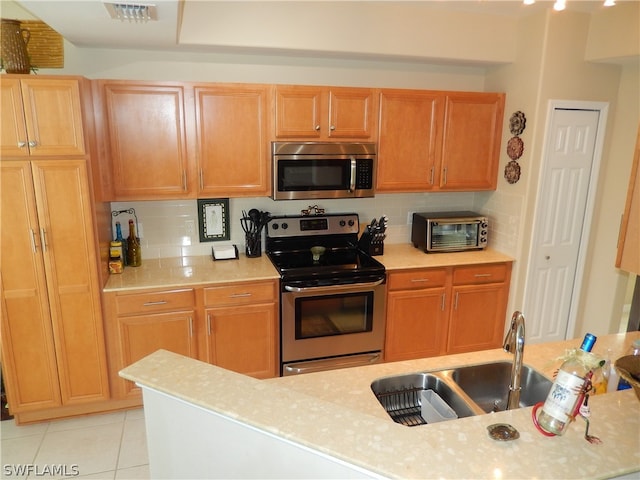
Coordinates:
108	446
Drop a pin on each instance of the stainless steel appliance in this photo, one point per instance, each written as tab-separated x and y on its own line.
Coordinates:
332	294
449	231
311	170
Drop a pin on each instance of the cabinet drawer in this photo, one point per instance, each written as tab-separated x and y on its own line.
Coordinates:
240	294
412	279
473	274
171	300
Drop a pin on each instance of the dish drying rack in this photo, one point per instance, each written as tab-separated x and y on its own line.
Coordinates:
403	406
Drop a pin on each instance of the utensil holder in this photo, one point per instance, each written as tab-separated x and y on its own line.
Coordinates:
253	245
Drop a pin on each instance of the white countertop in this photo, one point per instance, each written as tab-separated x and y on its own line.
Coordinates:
179	272
335	412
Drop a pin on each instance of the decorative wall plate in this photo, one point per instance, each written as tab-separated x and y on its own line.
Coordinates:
515	147
512	172
517	122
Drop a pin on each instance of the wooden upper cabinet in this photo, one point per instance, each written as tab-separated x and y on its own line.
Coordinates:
325	113
41	117
439	141
628	258
232	135
471	141
146	141
409	140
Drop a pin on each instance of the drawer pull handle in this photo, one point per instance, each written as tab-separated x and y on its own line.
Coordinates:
482	275
238	295
151	304
419	279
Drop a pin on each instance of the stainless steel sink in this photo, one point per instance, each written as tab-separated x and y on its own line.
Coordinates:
488	385
401	396
469	390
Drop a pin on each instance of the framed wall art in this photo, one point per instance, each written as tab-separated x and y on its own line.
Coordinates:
213	219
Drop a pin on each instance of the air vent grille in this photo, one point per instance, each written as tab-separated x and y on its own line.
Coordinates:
132	12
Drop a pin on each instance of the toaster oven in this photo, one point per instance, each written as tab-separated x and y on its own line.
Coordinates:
449	231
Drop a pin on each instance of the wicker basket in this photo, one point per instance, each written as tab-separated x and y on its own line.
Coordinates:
14	39
629	368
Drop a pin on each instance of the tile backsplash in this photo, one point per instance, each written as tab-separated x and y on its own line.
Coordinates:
170	228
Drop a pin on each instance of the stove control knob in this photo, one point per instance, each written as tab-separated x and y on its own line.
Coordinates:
351	223
342	223
274	226
285	225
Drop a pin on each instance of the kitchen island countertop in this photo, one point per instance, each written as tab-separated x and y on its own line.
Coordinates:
335	413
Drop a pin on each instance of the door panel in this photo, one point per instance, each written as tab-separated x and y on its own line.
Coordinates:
27	338
559	224
64	214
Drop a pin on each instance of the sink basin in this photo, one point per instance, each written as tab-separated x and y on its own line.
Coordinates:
469	390
401	396
488	385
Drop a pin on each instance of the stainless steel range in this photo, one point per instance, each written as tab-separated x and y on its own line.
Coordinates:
332	294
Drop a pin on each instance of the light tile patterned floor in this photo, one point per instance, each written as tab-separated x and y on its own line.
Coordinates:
109	446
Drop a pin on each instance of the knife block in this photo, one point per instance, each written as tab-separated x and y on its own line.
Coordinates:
367	245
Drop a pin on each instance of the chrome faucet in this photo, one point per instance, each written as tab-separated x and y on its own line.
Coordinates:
514	343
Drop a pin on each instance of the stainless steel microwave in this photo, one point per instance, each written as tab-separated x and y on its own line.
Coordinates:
449	231
314	170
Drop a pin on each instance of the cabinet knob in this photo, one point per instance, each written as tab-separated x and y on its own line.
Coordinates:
332	127
317	127
22	144
32	143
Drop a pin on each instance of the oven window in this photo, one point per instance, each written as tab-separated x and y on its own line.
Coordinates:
455	235
334	315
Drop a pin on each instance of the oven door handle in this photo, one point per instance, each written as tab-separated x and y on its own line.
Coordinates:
331	364
334	288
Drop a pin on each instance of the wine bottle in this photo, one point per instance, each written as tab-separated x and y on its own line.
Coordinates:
119	238
560	405
134	252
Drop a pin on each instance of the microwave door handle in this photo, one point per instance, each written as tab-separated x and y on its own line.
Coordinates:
352	182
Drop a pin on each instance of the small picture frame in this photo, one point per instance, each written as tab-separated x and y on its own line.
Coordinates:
213	219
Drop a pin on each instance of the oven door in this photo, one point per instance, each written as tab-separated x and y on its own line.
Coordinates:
331	321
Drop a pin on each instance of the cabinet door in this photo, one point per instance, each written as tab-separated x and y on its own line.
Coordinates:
28	354
352	113
233	140
146	140
628	257
45	120
471	143
409	140
142	335
244	339
477	317
13	131
298	111
416	324
65	217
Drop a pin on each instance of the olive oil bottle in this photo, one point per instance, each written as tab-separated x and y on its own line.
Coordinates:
134	252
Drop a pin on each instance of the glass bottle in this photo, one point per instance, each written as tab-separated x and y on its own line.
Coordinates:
134	252
122	242
560	405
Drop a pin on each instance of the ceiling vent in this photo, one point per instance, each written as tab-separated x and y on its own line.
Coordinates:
132	12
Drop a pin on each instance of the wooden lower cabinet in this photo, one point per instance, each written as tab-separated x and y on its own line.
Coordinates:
443	311
242	327
138	324
234	326
242	339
